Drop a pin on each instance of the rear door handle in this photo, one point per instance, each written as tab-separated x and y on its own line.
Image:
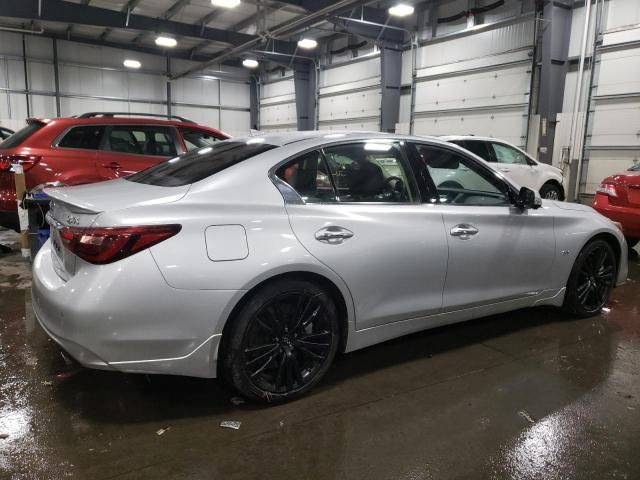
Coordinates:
112	165
464	231
333	235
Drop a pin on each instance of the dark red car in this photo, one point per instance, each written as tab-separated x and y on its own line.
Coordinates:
618	198
91	148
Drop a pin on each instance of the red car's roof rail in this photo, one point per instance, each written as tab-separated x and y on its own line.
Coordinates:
130	114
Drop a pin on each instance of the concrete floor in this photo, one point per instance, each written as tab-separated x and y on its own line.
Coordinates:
526	395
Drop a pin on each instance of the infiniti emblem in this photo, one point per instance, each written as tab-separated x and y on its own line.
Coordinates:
71	220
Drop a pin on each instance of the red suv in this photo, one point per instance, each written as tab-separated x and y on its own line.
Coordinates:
91	148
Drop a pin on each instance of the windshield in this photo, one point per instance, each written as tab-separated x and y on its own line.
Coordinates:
199	164
21	135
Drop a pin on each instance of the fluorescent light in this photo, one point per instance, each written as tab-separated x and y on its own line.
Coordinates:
250	63
225	3
307	43
401	10
129	63
168	42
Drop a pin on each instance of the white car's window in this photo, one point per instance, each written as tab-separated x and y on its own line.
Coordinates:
372	171
506	154
459	180
308	175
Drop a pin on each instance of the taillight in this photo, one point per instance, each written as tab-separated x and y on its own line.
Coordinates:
607	189
27	161
110	244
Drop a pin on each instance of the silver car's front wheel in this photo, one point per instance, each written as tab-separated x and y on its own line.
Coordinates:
283	341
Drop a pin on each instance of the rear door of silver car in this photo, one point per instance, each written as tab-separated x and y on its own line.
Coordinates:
360	213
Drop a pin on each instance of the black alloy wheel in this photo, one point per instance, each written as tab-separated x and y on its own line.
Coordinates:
283	341
592	277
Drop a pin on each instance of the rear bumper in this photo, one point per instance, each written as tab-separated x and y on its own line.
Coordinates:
628	217
124	316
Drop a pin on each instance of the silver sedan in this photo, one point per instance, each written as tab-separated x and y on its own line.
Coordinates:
260	258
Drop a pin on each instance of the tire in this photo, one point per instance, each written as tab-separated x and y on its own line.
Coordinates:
282	341
632	242
550	191
592	277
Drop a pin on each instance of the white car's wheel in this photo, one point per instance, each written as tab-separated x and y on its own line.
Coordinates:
550	191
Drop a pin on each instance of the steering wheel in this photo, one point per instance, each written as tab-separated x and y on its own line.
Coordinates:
398	189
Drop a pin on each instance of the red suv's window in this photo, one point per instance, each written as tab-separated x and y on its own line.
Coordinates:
142	140
21	135
87	137
197	138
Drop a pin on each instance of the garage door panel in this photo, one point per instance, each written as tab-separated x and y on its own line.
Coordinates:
619	72
281	114
350	105
507	124
367	125
506	87
616	123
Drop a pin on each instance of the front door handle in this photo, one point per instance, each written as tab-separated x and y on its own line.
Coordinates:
333	235
504	169
464	231
112	165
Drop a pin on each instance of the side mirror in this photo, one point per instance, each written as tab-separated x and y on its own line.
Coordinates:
528	198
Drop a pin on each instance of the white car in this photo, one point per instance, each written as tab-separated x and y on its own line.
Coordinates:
260	258
516	164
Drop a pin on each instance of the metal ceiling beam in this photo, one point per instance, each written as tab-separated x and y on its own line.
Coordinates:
66	12
175	9
133	48
296	25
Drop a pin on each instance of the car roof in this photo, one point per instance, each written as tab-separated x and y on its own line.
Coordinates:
326	136
68	121
451	138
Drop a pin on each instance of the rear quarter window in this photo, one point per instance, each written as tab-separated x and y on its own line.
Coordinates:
199	164
21	136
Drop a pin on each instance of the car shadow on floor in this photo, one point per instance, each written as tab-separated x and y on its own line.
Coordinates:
111	397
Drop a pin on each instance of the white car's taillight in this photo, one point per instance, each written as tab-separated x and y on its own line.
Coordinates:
109	244
607	189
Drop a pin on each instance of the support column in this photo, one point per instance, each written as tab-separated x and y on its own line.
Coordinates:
391	72
169	100
304	78
556	29
254	104
56	77
26	75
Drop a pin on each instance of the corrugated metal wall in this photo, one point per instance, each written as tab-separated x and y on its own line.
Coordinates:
92	78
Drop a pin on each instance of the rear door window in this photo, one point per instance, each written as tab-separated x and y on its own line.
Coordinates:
142	140
197	138
199	164
87	137
22	135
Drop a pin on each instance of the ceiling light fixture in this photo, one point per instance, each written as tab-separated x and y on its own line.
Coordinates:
129	63
307	43
167	42
401	10
250	63
225	3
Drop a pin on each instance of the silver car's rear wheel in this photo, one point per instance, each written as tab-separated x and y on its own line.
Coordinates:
283	341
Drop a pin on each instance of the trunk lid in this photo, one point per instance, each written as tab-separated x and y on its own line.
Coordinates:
632	181
79	207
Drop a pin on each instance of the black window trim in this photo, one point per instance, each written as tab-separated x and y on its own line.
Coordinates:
106	147
292	197
431	186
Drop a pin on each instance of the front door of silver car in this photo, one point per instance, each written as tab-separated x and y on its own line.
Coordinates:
361	215
497	252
